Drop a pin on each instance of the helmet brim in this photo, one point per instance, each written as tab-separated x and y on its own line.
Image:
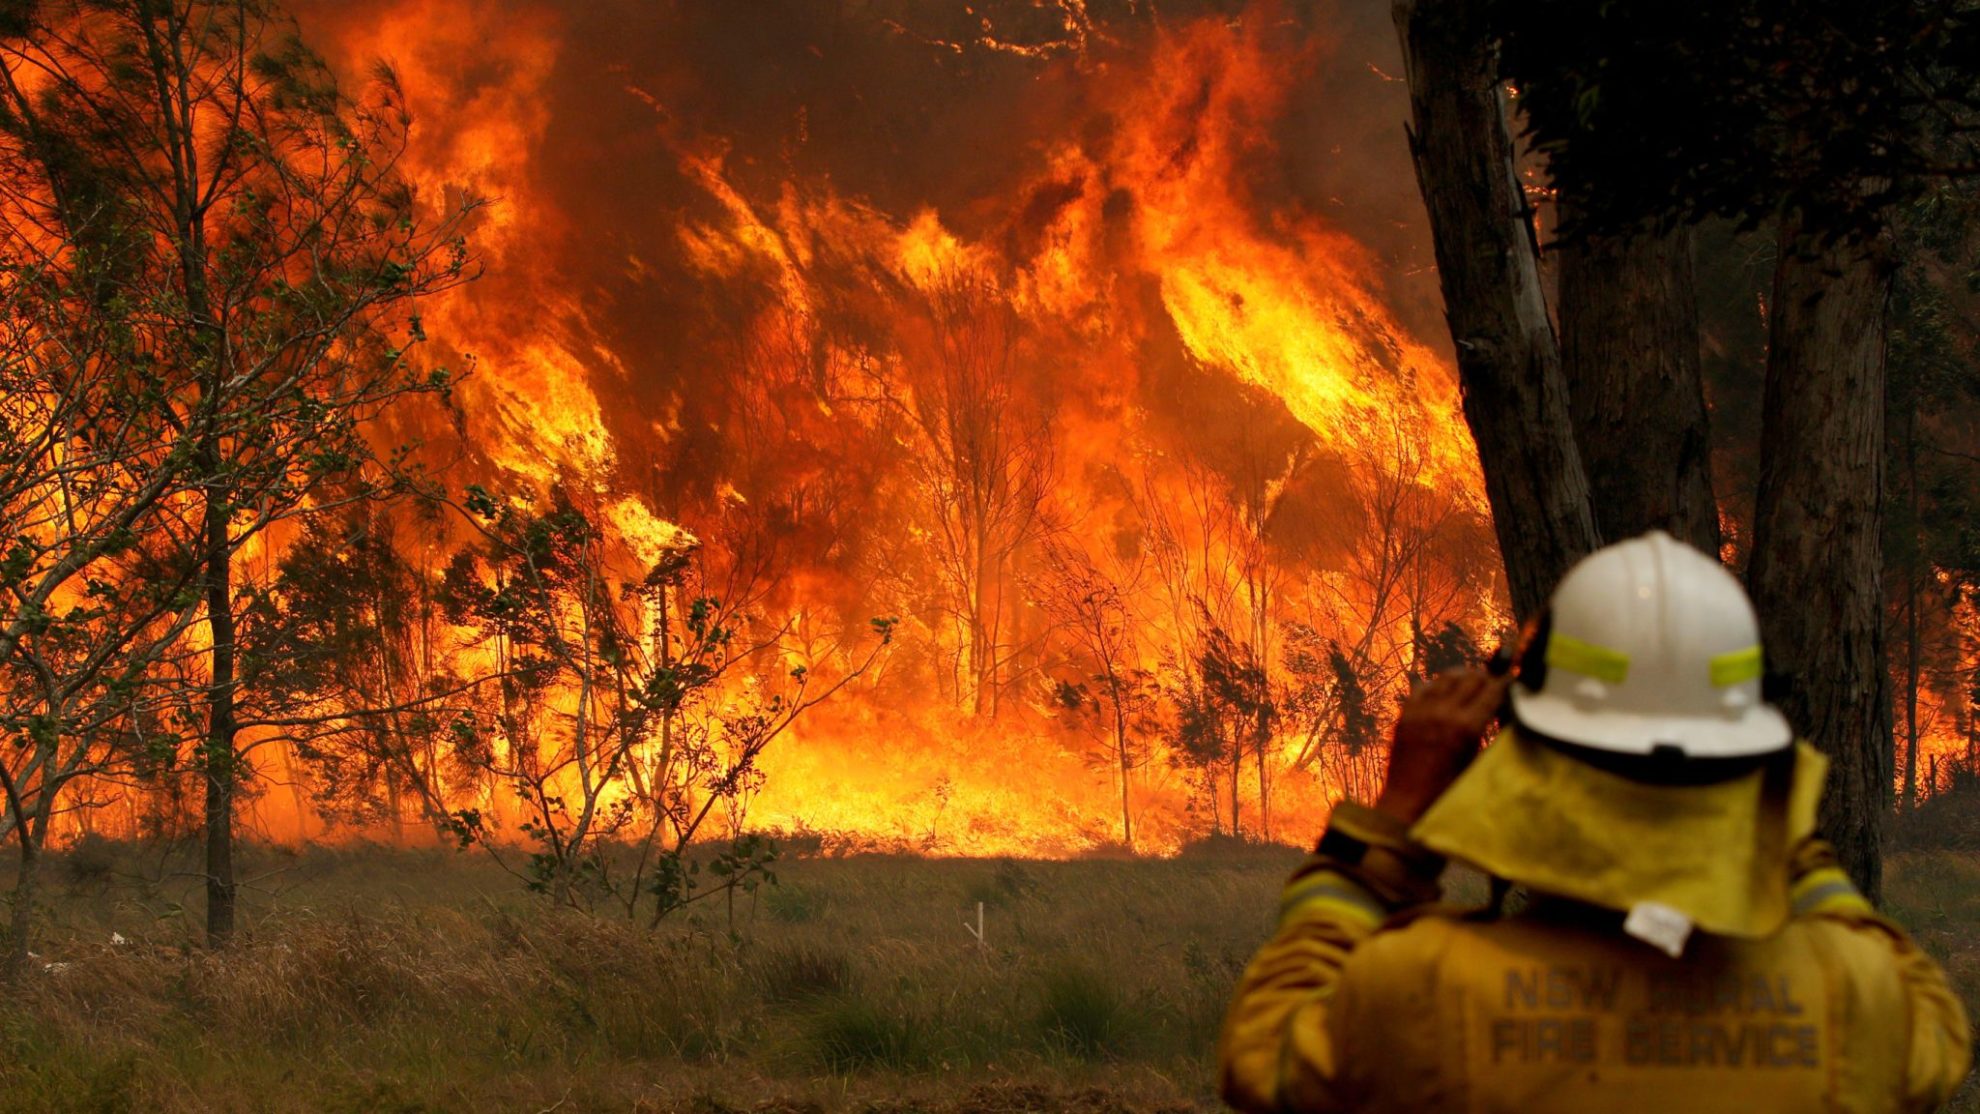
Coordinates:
1760	730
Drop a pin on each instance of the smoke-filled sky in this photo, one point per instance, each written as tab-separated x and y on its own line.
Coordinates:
575	119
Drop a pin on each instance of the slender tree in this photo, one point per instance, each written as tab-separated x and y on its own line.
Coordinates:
982	457
97	587
1095	608
270	207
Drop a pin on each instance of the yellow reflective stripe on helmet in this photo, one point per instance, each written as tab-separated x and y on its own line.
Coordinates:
1572	654
1737	666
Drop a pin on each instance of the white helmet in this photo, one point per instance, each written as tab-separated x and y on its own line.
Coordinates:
1650	646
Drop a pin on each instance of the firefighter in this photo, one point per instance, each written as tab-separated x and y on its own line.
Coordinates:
1687	942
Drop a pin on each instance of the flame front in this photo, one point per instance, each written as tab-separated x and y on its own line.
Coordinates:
1025	321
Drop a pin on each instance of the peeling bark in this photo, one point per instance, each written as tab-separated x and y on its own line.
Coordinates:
1509	364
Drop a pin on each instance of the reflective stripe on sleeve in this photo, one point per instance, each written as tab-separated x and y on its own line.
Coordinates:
1827	890
1331	893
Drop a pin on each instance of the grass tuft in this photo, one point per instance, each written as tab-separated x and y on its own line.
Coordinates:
850	1033
797	972
793	904
1084	1014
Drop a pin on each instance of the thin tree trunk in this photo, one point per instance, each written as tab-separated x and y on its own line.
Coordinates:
1629	354
1121	753
1515	397
1264	788
27	887
1237	772
979	625
1911	691
221	762
1913	569
1817	567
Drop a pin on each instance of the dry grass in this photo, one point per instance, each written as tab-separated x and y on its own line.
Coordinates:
1936	895
412	981
374	980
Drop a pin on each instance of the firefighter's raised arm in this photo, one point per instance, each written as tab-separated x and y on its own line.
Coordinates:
1277	1044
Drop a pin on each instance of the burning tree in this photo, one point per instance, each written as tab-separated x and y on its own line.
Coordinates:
630	706
982	458
355	672
1095	608
1329	700
1225	528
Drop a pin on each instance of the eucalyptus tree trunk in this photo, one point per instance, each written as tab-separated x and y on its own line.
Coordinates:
1509	363
27	891
1914	573
1629	351
1817	569
220	761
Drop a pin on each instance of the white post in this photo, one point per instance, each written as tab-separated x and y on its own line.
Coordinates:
976	930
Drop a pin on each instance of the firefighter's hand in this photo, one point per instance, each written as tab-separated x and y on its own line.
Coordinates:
1441	728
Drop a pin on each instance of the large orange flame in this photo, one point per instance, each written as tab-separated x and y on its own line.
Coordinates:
1201	377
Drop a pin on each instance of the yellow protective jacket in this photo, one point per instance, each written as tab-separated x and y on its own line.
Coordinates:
1556	1009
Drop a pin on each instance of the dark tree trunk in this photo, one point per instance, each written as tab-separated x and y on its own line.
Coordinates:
221	762
1237	774
1817	567
27	887
1629	352
1911	678
1122	754
1902	401
1515	397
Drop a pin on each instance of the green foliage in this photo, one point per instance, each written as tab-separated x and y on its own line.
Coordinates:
743	866
466	826
1357	728
745	863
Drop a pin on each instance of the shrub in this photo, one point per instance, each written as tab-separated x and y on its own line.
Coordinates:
1010	882
1944	822
90	859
